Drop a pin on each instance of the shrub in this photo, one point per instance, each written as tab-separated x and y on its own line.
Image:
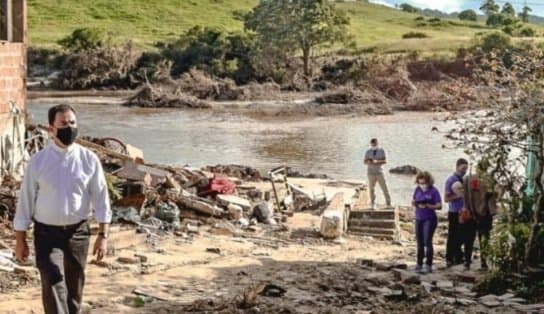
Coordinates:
434	20
408	8
420	18
527	32
495	20
213	51
495	40
509	29
468	15
414	35
83	39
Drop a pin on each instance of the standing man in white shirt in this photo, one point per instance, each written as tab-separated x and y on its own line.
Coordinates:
61	185
375	159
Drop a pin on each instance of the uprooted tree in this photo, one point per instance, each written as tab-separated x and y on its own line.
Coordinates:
506	136
301	24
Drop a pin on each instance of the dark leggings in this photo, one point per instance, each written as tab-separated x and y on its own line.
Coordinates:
424	235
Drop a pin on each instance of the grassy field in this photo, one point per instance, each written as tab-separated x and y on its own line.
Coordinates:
145	22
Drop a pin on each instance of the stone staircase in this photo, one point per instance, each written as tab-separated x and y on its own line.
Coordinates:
380	223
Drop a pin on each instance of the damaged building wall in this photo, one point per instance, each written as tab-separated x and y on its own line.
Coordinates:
12	86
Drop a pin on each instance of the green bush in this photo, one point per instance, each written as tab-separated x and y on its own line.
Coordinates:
414	35
495	20
495	40
420	18
468	15
434	20
507	246
408	8
509	29
83	39
213	51
527	32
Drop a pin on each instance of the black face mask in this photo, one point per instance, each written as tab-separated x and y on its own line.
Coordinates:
67	135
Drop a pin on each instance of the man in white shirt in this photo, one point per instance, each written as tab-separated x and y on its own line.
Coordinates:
61	185
375	158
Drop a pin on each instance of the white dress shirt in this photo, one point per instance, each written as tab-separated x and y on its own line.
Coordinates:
60	186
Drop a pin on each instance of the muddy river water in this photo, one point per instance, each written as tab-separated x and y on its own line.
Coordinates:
328	145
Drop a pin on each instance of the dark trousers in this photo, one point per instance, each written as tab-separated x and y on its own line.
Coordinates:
61	255
468	236
424	236
454	255
483	227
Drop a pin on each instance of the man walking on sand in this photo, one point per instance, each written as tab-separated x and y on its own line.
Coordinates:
375	159
61	184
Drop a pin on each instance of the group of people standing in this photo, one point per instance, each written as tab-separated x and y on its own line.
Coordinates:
471	201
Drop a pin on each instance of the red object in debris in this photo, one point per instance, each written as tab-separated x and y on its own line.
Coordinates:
475	184
220	186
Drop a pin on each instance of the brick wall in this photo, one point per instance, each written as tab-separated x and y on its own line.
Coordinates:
12	89
12	75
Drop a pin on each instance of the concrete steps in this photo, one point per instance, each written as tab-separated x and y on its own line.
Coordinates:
380	224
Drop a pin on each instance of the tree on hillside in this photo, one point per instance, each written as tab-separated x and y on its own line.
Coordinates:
468	15
408	8
489	7
495	20
508	9
524	14
301	24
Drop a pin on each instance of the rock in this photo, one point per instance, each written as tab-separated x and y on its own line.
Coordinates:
235	212
466	277
406	170
429	288
387	266
466	302
271	290
444	284
103	264
383	290
516	300
142	258
492	303
490	300
406	277
192	229
506	296
29	271
448	300
378	279
213	250
128	260
366	262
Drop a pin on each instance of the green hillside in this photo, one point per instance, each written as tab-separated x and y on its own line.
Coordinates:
145	22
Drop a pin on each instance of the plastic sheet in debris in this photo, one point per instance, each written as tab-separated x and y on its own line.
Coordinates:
125	214
6	263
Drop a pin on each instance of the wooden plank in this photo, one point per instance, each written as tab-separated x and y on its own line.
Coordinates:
200	206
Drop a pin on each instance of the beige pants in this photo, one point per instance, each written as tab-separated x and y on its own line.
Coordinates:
380	178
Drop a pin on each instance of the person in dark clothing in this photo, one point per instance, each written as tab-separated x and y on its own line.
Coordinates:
480	200
455	198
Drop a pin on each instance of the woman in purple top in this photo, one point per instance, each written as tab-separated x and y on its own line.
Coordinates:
426	201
